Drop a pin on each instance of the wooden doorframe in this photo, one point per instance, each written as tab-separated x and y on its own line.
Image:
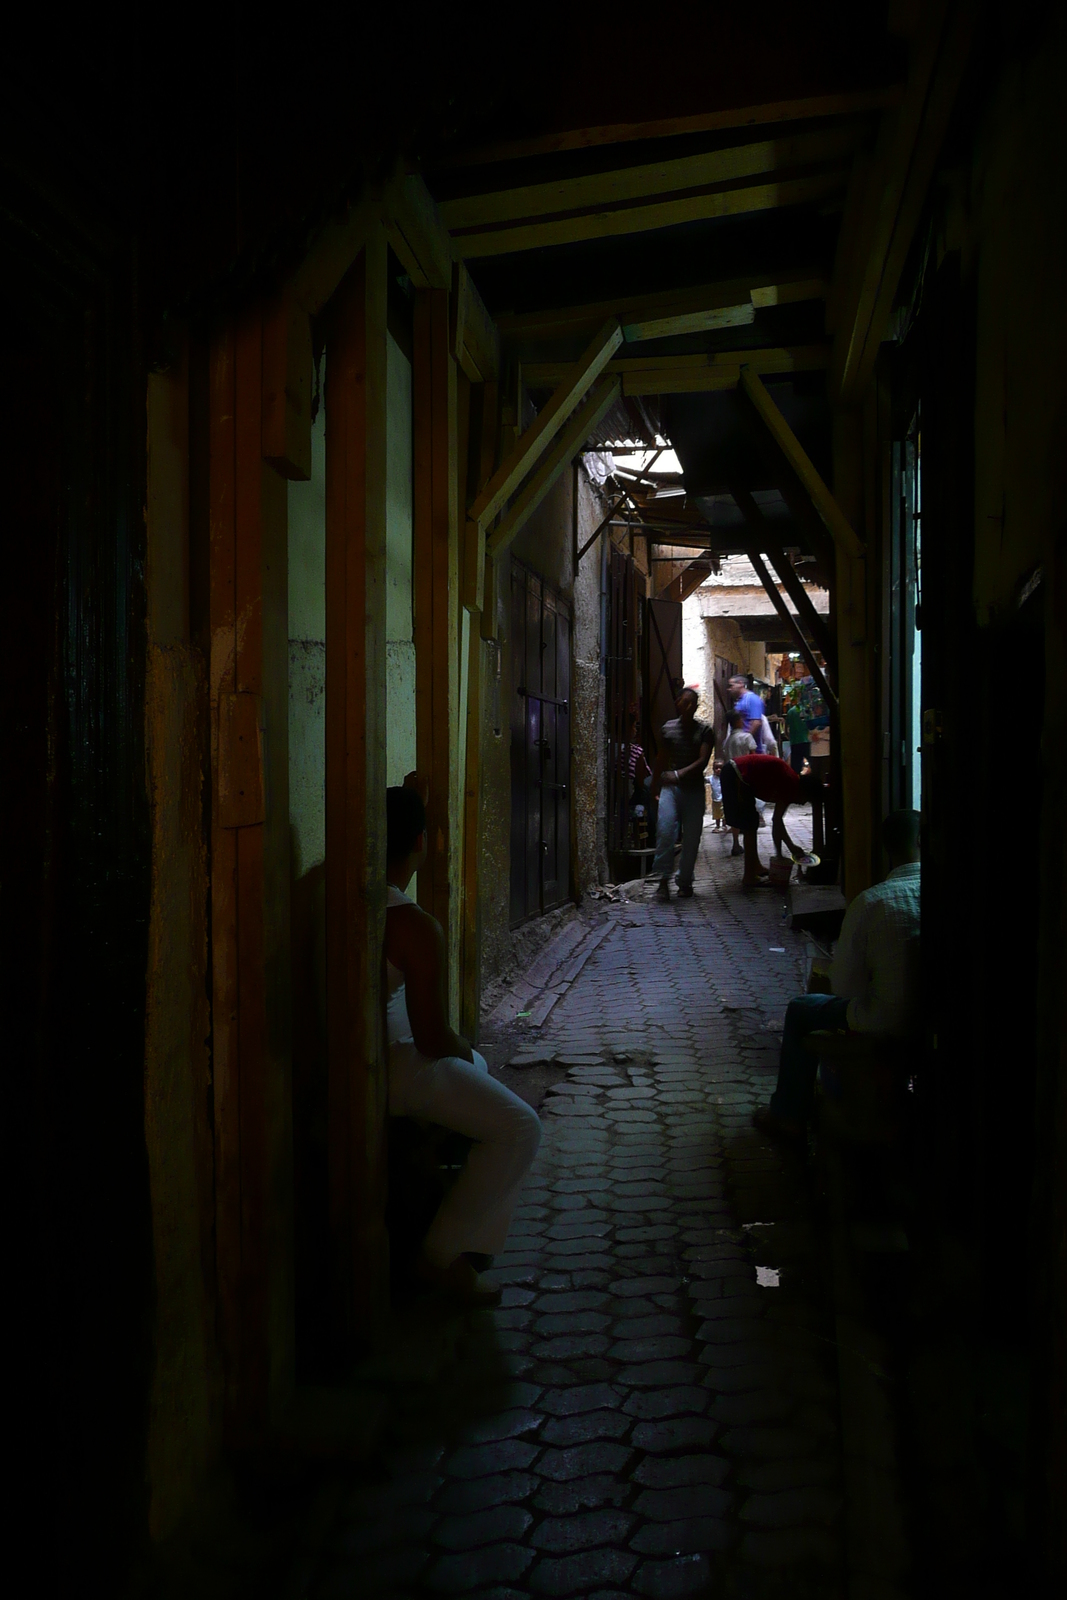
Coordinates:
355	789
248	676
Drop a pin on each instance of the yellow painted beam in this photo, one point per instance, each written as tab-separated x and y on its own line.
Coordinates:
652	180
566	447
691	374
645	217
574	382
637	311
840	528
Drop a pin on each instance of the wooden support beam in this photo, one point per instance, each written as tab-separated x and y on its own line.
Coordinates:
792	623
886	201
799	463
355	789
473	582
808	108
682	585
436	616
766	541
643	310
569	443
574	383
475	340
471	215
287	385
691	374
648	216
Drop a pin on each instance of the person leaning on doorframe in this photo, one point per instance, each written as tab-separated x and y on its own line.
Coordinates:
874	979
436	1075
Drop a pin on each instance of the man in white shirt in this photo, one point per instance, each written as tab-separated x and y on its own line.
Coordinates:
874	978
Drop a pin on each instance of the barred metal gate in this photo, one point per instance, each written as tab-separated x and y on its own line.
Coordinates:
540	746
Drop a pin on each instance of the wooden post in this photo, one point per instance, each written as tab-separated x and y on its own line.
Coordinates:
249	888
436	595
853	756
355	787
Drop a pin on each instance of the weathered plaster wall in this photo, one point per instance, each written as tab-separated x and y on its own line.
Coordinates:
704	639
588	692
184	1417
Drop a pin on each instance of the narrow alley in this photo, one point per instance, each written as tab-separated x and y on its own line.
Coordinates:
654	1405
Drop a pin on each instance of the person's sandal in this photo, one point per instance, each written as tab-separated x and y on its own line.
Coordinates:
664	890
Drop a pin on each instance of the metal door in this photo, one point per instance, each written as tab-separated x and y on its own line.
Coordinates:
540	746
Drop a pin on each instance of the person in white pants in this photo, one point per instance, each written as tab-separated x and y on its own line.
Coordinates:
434	1074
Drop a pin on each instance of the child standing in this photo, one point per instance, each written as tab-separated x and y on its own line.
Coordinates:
716	798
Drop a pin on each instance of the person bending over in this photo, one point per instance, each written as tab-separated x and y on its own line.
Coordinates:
874	978
749	778
678	779
435	1075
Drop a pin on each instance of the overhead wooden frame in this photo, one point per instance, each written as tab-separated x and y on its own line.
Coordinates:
769	544
799	463
806	108
691	374
793	625
730	303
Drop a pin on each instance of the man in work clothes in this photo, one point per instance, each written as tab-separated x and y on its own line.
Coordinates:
685	748
874	978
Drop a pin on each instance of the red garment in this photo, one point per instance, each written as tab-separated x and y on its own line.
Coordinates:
769	778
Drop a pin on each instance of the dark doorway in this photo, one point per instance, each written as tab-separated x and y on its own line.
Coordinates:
540	746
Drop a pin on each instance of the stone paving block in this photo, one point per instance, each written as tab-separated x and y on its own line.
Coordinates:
464	1571
680	1472
577	1574
588	1426
601	1262
582	1244
514	1296
464	1531
504	1425
664	1347
791	1508
651	1374
513	1319
629	1288
686	1536
648	1326
476	1494
676	1401
478	1460
567	1346
583	1397
571	1300
696	1500
582	1459
790	1547
671	1580
767	1442
675	1433
581	1494
586	1530
571	1322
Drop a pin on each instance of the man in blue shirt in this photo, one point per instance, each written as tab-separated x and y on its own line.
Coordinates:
748	705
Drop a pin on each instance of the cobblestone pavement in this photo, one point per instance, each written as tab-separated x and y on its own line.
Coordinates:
653	1410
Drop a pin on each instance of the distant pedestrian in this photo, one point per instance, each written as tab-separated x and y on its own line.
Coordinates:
738	742
799	735
716	797
678	780
749	706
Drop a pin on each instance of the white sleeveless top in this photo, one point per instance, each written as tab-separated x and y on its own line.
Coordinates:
397	1025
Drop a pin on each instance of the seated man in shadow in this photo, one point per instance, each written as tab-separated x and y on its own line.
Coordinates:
436	1076
874	978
